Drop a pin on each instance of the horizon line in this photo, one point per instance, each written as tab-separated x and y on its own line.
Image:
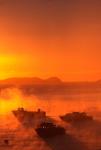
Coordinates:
45	78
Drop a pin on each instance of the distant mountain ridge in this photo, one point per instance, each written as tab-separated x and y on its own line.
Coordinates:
30	80
51	81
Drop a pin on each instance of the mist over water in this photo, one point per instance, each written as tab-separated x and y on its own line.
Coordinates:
59	104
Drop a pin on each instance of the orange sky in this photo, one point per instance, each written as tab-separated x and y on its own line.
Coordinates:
50	38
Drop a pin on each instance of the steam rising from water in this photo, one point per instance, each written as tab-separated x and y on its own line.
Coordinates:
11	99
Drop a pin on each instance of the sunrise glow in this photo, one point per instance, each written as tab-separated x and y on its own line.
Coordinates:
7	107
50	74
50	39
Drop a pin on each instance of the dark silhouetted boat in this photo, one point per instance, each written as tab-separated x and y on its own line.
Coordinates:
49	129
76	117
29	118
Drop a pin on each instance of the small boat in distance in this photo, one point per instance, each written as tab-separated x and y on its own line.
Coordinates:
29	118
76	117
49	129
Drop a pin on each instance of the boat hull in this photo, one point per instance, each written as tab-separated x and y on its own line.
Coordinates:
48	133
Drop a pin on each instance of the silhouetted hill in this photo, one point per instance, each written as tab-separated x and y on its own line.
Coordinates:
50	87
53	80
30	81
